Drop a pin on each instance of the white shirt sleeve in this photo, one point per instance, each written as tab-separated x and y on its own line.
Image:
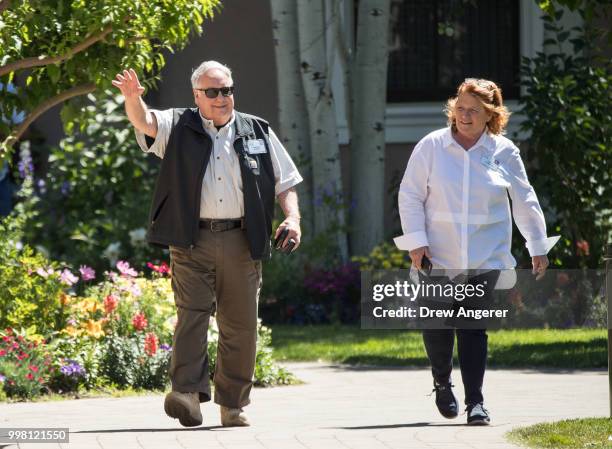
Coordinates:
526	209
411	200
164	126
286	173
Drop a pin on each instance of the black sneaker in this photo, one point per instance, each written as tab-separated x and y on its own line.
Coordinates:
477	415
446	400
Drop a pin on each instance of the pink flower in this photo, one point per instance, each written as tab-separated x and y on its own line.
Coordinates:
68	278
45	272
135	290
150	344
125	269
111	275
139	321
87	273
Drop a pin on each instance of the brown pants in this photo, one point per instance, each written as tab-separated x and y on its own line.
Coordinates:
219	270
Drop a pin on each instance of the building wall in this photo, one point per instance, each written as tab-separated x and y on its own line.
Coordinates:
240	36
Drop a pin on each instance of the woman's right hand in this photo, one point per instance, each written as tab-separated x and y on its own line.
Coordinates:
416	255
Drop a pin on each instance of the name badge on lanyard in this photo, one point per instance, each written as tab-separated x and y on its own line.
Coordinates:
256	146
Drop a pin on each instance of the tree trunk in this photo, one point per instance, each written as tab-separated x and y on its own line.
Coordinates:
368	103
325	151
292	113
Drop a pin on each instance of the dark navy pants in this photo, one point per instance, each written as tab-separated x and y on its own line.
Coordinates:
471	349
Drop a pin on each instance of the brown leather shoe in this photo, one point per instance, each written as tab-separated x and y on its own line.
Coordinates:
233	417
185	407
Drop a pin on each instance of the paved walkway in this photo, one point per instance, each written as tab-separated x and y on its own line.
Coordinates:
337	407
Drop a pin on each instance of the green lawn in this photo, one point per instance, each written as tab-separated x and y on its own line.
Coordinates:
591	433
573	348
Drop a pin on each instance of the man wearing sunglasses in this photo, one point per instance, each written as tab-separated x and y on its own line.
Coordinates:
213	207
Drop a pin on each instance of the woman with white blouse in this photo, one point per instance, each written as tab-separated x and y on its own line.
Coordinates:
454	209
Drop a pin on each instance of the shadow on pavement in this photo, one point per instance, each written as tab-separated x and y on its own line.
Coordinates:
399	426
174	429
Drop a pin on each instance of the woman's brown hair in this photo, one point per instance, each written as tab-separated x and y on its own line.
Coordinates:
491	98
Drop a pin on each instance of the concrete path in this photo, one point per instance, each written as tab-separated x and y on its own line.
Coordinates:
337	407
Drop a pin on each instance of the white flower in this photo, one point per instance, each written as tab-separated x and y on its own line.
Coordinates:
137	236
112	252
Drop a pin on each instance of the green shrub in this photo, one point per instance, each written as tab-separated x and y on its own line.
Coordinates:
30	284
96	194
567	107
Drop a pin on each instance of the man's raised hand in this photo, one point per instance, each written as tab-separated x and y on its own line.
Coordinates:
128	84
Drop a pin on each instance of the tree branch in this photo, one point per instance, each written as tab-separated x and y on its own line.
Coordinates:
83	89
38	61
4	4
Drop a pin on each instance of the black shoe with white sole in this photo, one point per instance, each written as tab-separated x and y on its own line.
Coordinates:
446	400
477	415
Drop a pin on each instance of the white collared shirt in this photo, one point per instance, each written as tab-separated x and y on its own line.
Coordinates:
222	196
456	202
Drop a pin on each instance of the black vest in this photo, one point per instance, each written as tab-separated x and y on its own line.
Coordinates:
175	210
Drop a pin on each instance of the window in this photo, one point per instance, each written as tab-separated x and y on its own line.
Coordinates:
435	44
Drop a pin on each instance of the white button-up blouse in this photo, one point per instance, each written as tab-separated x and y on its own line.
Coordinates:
456	202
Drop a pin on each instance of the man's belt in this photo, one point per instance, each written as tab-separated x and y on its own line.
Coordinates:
222	225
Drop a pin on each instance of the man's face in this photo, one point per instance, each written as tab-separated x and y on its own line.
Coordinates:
219	109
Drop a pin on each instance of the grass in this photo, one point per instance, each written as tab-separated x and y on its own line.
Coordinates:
591	433
571	348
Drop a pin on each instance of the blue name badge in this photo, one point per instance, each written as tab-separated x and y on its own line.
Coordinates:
489	162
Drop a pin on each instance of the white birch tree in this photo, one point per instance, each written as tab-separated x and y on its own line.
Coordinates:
322	37
316	65
293	116
368	99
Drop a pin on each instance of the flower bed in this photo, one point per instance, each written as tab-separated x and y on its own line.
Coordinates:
116	333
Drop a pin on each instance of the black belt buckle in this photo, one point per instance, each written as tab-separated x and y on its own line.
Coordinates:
221	225
217	226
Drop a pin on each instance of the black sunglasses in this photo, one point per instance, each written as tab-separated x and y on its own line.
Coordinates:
213	92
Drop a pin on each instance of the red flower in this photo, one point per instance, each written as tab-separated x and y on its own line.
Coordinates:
110	304
22	355
2	352
33	368
162	268
582	248
150	344
139	321
29	376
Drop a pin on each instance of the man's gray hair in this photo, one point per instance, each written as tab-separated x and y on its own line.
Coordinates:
205	67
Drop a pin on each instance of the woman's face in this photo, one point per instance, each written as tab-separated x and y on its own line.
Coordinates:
471	117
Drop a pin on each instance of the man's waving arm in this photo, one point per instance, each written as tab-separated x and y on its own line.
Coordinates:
139	115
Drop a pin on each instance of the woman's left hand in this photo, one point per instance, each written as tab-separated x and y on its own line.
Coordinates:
540	264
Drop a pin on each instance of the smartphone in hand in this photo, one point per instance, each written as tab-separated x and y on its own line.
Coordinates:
280	239
426	265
